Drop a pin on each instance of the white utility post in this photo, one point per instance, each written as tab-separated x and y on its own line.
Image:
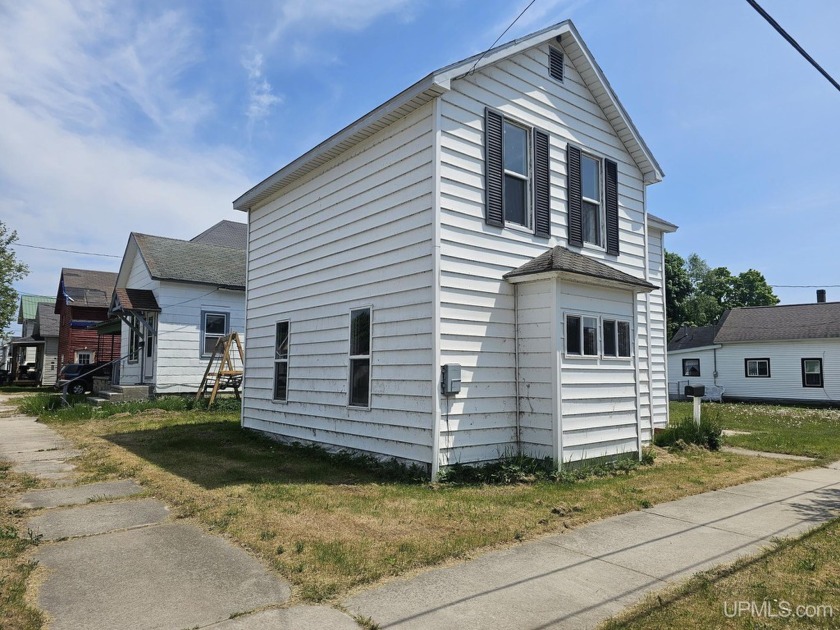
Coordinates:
697	400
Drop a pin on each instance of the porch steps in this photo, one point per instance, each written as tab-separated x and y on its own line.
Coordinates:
121	393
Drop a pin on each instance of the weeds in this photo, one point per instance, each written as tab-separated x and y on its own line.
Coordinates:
707	434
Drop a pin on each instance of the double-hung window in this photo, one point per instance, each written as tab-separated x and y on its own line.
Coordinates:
214	326
281	361
517	179
616	338
359	383
812	373
133	341
590	205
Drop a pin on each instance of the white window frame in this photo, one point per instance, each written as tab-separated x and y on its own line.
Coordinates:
279	360
617	321
90	354
133	341
529	179
601	205
756	361
359	357
203	322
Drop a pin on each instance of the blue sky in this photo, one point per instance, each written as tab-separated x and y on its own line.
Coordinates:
153	116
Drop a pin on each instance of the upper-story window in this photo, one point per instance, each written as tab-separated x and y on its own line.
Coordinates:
517	175
591	212
517	181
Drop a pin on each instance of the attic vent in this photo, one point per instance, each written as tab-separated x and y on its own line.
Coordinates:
555	63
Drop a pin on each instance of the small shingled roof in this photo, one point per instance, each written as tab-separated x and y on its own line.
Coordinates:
224	234
29	306
184	261
137	299
692	337
560	259
46	322
86	287
780	323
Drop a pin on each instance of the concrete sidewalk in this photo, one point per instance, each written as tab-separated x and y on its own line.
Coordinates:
580	578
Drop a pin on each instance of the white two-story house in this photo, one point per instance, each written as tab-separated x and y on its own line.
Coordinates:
489	221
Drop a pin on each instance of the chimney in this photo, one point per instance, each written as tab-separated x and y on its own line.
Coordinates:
820	296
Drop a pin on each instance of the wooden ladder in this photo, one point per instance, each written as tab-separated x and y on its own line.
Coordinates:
227	374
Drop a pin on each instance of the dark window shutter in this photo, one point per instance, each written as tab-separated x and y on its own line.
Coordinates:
494	168
574	195
542	186
611	205
555	63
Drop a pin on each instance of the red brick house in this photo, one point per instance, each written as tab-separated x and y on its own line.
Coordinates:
82	302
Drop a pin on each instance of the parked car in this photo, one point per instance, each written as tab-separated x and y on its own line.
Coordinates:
80	376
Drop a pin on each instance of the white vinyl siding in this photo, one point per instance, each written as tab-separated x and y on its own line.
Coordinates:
706	357
477	309
138	278
355	232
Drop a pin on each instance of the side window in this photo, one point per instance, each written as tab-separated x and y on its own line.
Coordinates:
757	368
214	326
517	175
581	335
616	338
691	367
359	378
281	361
812	373
591	219
133	341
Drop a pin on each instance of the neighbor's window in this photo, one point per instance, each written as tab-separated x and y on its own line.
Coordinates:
517	174
616	338
581	335
757	368
590	207
214	327
812	374
133	341
84	358
360	357
691	367
281	361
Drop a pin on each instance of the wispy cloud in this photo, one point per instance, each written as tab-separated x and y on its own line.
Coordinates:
261	98
309	16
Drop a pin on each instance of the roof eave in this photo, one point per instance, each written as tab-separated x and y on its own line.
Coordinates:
639	287
661	224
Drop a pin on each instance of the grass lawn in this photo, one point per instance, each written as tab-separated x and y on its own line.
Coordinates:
329	525
15	568
777	429
803	572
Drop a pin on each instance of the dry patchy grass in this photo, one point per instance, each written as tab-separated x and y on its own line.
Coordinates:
330	526
793	573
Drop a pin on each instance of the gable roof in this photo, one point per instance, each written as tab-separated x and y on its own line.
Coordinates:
46	322
560	259
134	300
184	261
29	306
439	82
224	234
780	323
688	337
85	287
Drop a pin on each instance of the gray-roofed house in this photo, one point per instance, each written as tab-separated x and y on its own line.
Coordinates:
176	297
46	330
773	353
491	221
28	354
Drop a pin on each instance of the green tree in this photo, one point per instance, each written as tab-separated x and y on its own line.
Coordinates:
10	272
702	293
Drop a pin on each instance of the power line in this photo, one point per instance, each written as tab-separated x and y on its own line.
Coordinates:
500	36
806	286
67	251
792	42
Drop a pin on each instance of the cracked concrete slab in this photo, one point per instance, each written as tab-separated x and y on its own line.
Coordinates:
56	497
173	575
295	618
98	518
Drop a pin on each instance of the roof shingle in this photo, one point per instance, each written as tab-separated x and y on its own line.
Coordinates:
224	234
88	288
780	323
186	261
137	299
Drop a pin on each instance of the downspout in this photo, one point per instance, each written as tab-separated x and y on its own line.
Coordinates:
648	312
665	344
715	372
517	409
436	292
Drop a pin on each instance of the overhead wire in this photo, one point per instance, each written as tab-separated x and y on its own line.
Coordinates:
472	70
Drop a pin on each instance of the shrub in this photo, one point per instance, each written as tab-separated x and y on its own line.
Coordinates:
707	434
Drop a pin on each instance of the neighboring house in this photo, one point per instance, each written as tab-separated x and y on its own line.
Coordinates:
27	351
81	303
492	218
176	298
46	330
775	353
